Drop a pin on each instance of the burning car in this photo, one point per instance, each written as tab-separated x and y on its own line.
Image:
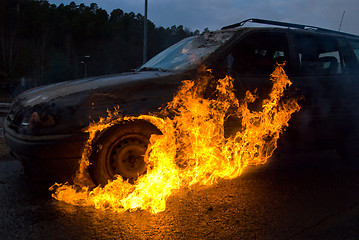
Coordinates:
45	126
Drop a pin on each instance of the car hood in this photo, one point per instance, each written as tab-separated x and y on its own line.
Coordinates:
51	92
73	105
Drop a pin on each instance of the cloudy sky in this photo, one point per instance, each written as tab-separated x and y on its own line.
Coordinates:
199	14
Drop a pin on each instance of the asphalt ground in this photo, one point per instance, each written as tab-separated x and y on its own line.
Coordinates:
304	196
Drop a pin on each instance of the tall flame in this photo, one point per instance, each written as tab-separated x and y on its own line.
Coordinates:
193	148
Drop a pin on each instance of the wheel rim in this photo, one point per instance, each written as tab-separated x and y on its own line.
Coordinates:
126	157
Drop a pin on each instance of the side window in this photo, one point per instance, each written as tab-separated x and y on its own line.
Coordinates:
258	53
318	55
355	46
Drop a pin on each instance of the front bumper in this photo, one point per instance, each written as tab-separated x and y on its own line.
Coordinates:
50	158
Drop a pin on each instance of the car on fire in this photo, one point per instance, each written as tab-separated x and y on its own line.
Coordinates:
45	126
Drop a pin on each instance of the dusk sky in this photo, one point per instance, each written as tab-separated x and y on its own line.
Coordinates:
199	14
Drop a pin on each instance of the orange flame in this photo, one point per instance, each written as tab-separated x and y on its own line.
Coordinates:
193	148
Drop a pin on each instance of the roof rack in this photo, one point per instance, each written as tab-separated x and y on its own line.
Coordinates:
285	24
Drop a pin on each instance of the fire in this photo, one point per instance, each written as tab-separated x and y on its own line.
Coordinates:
193	148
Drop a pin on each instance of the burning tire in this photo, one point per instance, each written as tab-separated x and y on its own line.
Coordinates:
120	151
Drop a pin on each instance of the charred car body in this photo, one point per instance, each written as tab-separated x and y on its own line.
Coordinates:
45	125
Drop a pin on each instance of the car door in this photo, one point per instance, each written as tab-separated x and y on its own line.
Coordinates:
251	60
324	79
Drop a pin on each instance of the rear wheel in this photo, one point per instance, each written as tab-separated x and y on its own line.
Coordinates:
120	151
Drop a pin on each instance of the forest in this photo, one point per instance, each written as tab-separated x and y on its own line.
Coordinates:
42	43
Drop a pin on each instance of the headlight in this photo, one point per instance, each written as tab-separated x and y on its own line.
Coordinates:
35	120
38	120
65	115
48	119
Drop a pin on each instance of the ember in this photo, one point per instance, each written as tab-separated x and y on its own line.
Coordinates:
193	148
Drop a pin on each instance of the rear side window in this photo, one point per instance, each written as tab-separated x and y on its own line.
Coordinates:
355	46
319	55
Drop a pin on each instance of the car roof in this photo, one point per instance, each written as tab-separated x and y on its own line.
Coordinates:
284	25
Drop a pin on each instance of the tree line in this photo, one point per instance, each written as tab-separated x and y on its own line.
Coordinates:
48	43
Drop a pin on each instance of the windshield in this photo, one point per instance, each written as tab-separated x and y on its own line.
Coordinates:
188	53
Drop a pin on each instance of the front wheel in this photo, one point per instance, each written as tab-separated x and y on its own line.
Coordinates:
120	151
